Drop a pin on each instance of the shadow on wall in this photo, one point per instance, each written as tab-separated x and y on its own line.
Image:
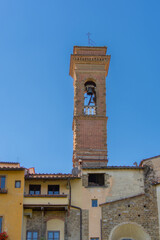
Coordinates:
129	230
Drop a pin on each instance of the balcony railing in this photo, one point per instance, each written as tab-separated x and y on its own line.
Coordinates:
59	199
89	110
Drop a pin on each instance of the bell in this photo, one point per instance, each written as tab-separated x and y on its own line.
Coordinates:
89	91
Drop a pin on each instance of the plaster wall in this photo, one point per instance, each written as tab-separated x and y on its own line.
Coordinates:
11	204
122	183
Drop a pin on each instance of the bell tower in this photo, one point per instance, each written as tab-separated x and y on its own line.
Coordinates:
89	68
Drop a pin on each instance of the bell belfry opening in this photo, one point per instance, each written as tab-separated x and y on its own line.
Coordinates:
90	98
89	68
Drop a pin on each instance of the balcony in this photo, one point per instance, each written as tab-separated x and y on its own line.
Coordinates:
89	110
47	201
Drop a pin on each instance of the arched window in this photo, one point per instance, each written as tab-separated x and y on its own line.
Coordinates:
89	98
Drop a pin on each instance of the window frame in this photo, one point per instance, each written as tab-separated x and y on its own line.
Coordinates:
3	176
34	190
32	231
53	235
17	181
96	201
1	224
54	191
97	179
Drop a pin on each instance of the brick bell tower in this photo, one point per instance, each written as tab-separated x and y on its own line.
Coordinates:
89	68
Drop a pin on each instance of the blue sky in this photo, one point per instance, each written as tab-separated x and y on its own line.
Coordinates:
36	91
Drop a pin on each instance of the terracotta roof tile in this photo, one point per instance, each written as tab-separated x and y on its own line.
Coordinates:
11	168
10	162
114	167
50	176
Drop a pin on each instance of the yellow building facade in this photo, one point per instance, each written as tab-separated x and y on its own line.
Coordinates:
11	199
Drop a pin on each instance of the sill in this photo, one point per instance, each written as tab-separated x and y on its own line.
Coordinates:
3	191
46	195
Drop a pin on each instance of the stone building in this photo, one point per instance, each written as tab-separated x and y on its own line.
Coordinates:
96	201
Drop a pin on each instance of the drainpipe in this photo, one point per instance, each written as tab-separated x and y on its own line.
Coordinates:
101	228
80	210
69	184
42	221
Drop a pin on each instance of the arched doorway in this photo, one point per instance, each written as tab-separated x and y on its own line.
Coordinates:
128	231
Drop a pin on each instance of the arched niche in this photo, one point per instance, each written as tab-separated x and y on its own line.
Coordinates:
131	231
56	225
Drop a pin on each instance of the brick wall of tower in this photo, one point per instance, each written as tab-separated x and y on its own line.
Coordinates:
89	131
79	81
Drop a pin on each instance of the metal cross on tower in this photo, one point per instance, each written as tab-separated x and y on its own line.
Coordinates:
90	41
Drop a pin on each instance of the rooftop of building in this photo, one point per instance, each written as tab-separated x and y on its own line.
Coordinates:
54	176
9	166
146	159
112	167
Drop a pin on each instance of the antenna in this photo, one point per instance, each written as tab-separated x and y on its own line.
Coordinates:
90	41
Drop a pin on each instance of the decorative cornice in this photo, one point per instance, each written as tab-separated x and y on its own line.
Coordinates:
85	59
89	48
90	117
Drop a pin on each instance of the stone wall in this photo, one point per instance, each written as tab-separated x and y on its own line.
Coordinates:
73	225
38	222
141	210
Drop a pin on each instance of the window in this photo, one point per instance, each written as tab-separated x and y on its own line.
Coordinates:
34	189
53	235
17	184
0	224
53	189
96	179
2	182
94	238
32	235
94	203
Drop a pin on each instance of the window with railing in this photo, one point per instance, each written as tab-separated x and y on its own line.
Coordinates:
34	189
53	189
